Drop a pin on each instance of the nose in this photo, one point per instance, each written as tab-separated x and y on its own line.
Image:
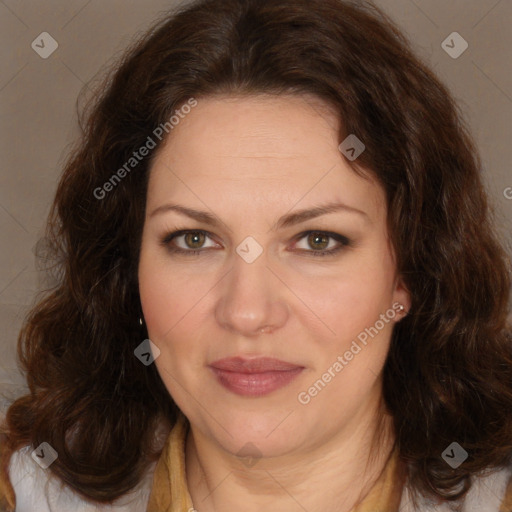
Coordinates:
252	299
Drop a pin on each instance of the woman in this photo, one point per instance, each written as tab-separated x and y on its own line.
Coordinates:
280	285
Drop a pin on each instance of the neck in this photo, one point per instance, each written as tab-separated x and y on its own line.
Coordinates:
333	477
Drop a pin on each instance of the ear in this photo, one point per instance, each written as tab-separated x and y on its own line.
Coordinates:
401	295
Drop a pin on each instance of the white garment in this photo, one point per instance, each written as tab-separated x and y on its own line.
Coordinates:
485	495
36	492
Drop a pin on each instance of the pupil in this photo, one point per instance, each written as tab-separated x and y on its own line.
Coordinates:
319	239
192	238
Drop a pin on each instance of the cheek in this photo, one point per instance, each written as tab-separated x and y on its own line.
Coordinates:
167	296
167	303
347	302
157	304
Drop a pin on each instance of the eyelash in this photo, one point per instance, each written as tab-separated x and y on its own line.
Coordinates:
342	240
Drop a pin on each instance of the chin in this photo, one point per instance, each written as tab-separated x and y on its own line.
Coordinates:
270	434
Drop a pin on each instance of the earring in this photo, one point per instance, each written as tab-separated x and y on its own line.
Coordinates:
141	322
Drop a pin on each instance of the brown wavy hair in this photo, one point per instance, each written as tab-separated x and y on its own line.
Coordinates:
448	376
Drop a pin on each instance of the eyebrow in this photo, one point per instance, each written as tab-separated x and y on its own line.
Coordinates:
290	219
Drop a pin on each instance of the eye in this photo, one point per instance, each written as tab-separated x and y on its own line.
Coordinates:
186	241
323	243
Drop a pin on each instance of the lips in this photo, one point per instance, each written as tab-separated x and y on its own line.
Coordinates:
254	377
257	365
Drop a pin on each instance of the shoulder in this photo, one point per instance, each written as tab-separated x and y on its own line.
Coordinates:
36	488
491	491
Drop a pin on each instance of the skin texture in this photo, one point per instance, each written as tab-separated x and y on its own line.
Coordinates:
248	161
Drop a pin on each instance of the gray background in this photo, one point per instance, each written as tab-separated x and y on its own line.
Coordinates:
38	110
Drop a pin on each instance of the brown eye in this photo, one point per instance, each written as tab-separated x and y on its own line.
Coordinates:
321	243
194	239
188	242
318	241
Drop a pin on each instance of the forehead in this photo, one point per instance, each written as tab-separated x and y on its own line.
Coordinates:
265	149
260	126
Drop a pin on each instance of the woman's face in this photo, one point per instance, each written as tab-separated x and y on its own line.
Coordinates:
249	280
